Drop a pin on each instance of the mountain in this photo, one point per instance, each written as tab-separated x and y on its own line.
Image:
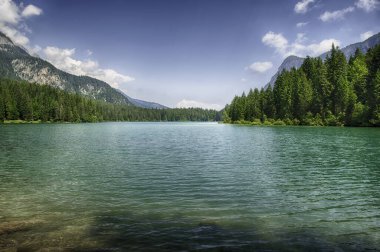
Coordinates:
287	64
17	63
141	103
294	61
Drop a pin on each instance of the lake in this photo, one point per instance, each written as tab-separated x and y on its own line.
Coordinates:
188	186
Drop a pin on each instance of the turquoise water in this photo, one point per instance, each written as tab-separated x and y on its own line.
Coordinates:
188	186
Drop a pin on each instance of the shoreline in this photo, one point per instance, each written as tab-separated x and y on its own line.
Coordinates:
13	122
279	123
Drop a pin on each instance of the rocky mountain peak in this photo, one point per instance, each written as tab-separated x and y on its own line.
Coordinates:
4	40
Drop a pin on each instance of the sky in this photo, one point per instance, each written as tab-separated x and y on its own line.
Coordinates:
184	53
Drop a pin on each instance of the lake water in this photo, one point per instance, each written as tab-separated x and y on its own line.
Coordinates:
188	186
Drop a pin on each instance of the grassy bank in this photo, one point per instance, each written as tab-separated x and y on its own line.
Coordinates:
21	122
286	122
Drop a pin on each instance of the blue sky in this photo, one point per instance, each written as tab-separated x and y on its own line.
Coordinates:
184	52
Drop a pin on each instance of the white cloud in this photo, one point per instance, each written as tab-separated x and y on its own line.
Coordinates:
9	12
336	15
302	6
31	10
301	37
367	5
301	24
64	59
35	50
366	35
196	104
260	67
274	40
110	76
15	35
298	47
12	18
243	80
314	49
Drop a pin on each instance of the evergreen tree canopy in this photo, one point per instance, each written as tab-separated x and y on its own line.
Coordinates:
20	100
333	92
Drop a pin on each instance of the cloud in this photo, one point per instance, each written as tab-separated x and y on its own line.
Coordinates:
274	40
367	5
336	15
35	50
302	6
15	35
298	47
12	21
9	12
64	59
196	104
31	10
243	80
301	37
260	67
12	17
366	35
301	24
315	49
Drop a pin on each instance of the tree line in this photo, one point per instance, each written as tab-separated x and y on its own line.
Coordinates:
25	101
329	92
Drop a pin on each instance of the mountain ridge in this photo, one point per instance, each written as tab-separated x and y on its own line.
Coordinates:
142	103
17	63
295	61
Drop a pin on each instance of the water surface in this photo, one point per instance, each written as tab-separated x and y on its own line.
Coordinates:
188	186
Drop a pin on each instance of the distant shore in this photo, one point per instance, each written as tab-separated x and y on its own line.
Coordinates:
21	122
289	122
64	122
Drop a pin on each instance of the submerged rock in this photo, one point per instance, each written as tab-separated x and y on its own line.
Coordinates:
17	226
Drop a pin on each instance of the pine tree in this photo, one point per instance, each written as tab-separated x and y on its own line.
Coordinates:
373	65
2	105
283	95
357	75
302	95
269	109
374	99
337	75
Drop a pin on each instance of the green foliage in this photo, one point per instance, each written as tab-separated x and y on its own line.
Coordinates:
357	75
359	115
333	93
279	123
31	102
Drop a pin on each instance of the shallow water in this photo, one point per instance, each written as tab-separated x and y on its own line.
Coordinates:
188	186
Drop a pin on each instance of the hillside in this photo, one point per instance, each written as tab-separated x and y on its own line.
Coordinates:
16	63
348	51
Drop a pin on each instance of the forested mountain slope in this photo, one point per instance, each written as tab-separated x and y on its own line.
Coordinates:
348	51
330	92
17	63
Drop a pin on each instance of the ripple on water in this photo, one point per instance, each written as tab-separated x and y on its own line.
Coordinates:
189	186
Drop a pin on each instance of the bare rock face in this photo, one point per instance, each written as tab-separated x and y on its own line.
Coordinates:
30	72
287	64
17	63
